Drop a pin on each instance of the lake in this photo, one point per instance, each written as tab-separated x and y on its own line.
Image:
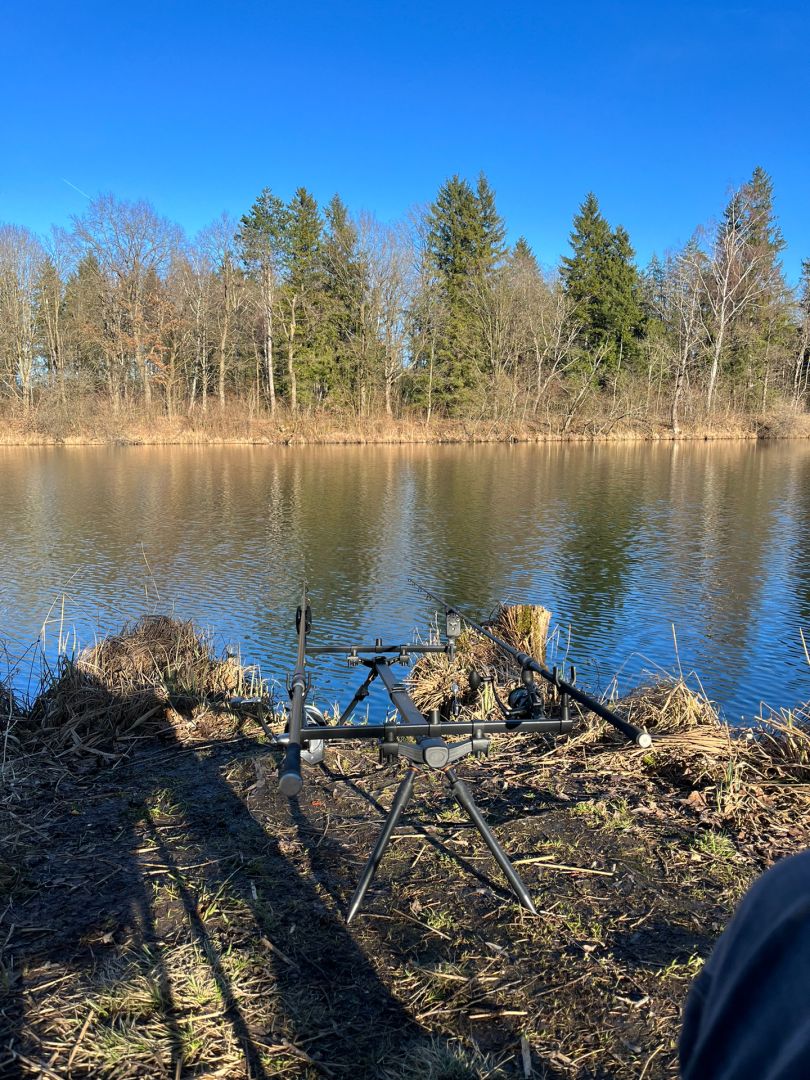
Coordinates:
649	556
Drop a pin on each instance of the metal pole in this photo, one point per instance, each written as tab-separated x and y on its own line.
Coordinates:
360	695
425	729
401	800
462	795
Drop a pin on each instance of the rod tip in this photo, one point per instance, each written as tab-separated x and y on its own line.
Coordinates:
644	739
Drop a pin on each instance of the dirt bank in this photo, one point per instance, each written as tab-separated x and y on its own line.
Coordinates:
168	914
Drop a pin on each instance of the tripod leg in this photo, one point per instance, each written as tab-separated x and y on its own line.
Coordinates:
360	695
462	795
401	800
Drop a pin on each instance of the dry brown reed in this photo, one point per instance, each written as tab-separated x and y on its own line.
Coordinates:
737	769
780	747
11	712
8	707
123	688
523	626
692	747
669	706
89	420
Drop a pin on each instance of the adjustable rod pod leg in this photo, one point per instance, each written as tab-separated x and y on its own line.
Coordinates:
461	793
401	800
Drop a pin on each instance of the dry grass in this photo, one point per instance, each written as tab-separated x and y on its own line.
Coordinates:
692	749
89	419
780	747
523	626
160	652
669	706
125	688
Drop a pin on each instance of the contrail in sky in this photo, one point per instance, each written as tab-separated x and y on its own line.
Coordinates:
64	181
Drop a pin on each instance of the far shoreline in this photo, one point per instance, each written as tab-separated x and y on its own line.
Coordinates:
313	429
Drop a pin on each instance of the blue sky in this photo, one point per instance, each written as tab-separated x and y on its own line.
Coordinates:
658	108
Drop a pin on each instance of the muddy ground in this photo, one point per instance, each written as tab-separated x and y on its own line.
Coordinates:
171	915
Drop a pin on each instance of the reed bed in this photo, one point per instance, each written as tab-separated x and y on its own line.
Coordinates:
89	420
523	626
693	750
780	747
126	687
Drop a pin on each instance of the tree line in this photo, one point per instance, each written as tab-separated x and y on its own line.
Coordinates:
297	306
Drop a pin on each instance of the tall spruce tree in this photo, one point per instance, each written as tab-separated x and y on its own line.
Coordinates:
760	336
602	280
523	254
465	245
493	230
89	326
583	272
653	288
624	315
345	275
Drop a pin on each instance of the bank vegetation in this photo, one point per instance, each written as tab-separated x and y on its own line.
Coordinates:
301	322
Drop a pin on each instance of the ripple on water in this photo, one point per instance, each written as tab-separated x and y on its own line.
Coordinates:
634	548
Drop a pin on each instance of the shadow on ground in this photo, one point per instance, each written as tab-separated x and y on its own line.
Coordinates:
156	928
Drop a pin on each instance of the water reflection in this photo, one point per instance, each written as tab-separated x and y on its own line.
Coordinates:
624	543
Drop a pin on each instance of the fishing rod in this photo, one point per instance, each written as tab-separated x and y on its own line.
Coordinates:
528	664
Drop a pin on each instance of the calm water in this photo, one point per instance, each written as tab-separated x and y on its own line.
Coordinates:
623	543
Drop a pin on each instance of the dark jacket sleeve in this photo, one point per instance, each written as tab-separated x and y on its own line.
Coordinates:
747	1016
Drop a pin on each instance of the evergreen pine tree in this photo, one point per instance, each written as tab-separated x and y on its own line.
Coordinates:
522	254
465	243
88	333
455	238
583	272
764	230
763	330
602	280
262	231
302	246
344	287
624	317
653	288
493	230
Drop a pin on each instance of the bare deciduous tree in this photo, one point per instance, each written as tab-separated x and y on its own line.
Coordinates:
682	314
733	277
388	257
129	242
21	259
219	243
